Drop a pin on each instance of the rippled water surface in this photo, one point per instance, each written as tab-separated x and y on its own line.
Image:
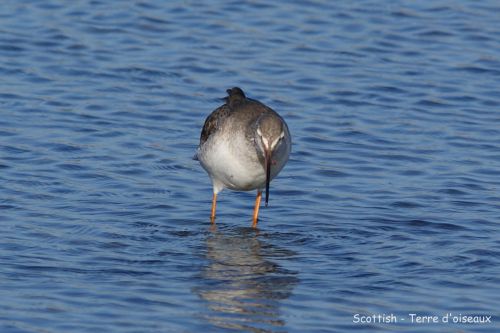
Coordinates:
389	204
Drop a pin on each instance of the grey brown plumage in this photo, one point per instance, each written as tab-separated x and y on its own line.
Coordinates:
243	145
236	99
212	121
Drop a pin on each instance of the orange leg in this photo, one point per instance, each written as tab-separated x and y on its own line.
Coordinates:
214	203
256	209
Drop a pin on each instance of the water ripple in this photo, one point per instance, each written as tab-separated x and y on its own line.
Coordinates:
389	203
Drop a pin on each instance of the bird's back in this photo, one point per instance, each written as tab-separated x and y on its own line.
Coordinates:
238	111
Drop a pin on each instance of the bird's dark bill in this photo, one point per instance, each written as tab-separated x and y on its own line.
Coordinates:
268	175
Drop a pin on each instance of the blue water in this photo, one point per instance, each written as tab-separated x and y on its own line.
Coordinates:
389	204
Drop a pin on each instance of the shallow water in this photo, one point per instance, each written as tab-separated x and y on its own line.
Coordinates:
389	204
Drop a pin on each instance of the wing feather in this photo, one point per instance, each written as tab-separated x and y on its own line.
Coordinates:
213	122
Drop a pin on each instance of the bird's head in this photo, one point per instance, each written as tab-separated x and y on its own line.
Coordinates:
270	134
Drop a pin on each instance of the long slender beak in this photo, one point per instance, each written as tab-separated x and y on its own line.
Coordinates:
268	173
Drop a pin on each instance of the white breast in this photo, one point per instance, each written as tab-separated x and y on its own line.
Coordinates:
232	164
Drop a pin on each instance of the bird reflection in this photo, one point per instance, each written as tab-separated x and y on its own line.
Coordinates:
241	286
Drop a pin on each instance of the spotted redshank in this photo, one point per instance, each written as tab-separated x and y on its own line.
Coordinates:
244	144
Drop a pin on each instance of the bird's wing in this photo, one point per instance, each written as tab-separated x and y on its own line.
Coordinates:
213	122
